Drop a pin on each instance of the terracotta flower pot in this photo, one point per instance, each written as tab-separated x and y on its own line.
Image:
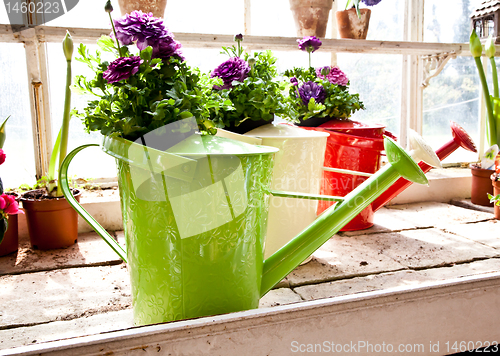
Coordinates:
311	16
10	241
350	26
157	7
52	223
481	185
496	191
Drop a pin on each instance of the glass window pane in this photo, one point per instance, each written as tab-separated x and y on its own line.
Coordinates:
452	95
215	16
90	163
448	24
377	79
19	166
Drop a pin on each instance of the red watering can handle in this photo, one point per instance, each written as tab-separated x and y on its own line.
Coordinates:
63	181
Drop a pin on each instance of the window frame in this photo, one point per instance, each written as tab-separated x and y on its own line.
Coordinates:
413	50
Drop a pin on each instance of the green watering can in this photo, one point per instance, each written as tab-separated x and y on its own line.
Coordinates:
195	218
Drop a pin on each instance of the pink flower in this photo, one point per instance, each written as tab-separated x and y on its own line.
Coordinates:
9	205
333	74
2	156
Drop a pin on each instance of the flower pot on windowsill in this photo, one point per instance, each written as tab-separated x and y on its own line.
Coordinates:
10	242
311	16
350	26
157	7
52	223
481	185
496	191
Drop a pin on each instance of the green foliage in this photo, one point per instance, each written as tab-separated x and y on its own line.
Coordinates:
259	96
494	199
339	103
161	92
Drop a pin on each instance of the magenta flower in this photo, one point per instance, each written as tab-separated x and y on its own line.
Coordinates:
234	69
333	74
294	81
309	44
310	90
2	156
8	205
122	68
166	48
146	29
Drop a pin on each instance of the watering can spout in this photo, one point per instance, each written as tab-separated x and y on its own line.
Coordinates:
283	261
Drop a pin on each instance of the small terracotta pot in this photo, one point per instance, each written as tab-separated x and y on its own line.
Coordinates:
52	223
10	242
311	16
481	185
496	191
157	7
350	26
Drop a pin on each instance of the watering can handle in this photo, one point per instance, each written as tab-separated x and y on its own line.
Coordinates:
63	181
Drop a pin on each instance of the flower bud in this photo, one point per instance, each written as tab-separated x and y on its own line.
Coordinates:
294	81
325	71
68	46
489	47
108	7
251	62
238	37
476	49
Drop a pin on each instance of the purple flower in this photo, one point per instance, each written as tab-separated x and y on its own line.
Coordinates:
146	29
233	69
310	90
294	81
166	48
122	68
238	37
333	74
371	2
309	44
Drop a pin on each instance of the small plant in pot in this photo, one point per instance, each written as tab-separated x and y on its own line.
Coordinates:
249	87
146	86
9	209
353	22
52	223
318	95
481	184
495	180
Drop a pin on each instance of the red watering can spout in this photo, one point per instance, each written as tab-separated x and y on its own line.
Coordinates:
460	139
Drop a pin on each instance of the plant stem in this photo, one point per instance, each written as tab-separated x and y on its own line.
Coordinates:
65	124
116	38
494	77
489	107
309	58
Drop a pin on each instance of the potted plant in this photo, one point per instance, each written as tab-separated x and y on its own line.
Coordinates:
318	95
481	185
353	22
9	209
311	16
249	85
147	86
52	223
157	7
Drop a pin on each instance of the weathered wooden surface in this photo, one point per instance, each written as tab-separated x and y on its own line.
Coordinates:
84	290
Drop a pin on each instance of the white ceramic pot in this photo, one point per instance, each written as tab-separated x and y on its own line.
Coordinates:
297	168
